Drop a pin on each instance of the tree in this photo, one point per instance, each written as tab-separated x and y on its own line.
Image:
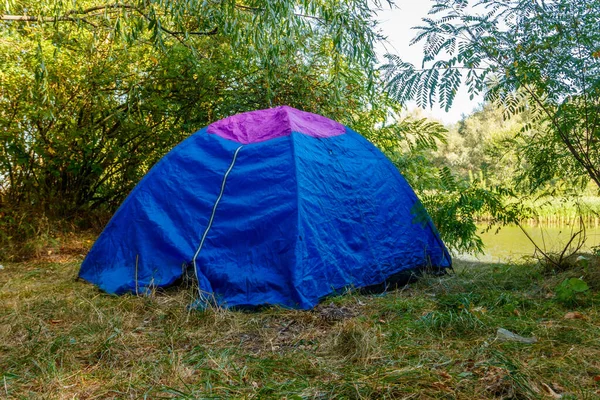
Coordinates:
93	93
539	56
480	146
267	31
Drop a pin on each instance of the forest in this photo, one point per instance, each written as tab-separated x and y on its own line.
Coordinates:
94	93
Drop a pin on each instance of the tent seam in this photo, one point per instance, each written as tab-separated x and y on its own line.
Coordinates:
212	216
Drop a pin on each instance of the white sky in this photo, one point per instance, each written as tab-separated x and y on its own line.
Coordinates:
396	24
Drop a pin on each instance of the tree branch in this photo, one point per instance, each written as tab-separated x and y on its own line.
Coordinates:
257	9
73	16
31	18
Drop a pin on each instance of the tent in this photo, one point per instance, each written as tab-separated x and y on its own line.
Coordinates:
275	206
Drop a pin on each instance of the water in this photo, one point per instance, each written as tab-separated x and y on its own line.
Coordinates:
510	243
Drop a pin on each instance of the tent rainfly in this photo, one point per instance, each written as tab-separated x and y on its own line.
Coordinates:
275	206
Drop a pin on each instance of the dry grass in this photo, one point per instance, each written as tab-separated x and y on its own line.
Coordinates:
64	339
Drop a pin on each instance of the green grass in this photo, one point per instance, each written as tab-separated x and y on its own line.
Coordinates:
64	339
561	210
565	210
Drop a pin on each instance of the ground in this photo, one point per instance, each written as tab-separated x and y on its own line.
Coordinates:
63	339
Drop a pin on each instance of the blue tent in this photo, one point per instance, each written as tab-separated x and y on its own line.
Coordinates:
275	206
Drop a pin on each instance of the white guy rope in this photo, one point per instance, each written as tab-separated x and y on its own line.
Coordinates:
212	217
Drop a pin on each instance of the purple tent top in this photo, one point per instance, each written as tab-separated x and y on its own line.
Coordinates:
261	125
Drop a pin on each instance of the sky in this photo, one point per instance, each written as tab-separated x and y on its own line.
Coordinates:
396	24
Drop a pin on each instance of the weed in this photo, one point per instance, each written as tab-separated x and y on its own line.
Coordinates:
571	290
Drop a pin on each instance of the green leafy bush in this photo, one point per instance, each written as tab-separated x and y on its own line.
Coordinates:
571	290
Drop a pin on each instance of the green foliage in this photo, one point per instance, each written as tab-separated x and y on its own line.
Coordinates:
539	57
268	32
485	148
92	94
570	290
537	62
477	147
456	206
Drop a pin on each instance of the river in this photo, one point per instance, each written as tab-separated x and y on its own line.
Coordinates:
510	243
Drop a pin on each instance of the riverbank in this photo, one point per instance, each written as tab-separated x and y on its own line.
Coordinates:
560	211
63	338
509	243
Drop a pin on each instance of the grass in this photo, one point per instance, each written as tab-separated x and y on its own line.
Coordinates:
560	211
564	210
63	339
